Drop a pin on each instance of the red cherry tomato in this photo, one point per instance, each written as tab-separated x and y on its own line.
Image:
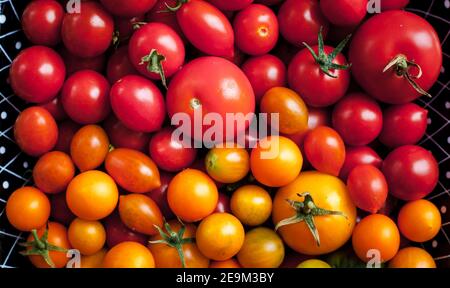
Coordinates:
66	131
140	213
35	131
88	33
355	156
41	22
85	97
344	12
55	108
37	74
231	5
119	65
53	172
159	195
256	29
403	125
117	232
393	4
130	8
60	212
75	63
358	119
138	103
411	172
122	137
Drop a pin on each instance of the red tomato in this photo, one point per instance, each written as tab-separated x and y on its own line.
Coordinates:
125	28
60	212
41	22
35	131
53	172
344	12
129	8
156	51
256	29
75	63
231	5
37	74
264	72
122	137
85	97
55	108
138	103
398	43
223	205
140	213
393	4
367	187
117	232
88	33
358	119
411	172
188	91
159	195
403	125
206	27
300	21
119	65
325	150
66	131
169	19
355	156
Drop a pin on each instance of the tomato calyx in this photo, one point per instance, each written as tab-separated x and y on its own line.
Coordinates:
173	239
176	7
154	64
41	247
401	65
306	211
326	61
195	103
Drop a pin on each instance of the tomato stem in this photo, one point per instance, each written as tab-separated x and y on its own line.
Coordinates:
154	64
174	8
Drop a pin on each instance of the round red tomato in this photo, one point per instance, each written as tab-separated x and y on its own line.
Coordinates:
37	74
122	137
75	63
392	50
393	4
88	33
119	65
411	172
231	5
344	12
138	103
140	213
35	131
256	29
41	22
55	108
128	9
355	156
53	172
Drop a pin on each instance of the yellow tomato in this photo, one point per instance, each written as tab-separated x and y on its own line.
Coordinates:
227	165
314	263
412	257
87	236
251	204
94	260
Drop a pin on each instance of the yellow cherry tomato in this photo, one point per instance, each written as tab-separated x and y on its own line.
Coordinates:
251	204
314	263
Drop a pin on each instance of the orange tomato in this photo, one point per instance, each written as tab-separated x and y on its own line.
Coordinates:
140	213
220	236
251	204
89	147
129	255
53	172
327	192
227	165
94	260
27	208
230	263
293	113
419	220
376	232
192	195
412	257
276	161
87	236
92	195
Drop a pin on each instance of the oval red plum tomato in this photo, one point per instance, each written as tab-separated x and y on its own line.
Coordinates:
35	131
344	12
256	29
306	14
159	195
53	172
231	5
88	33
123	137
129	8
355	156
119	65
66	131
413	43
41	22
55	108
60	212
75	63
117	232
393	4
403	124
358	119
138	103
37	74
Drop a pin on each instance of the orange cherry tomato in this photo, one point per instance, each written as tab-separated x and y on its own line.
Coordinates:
230	263
87	236
419	220
89	147
251	204
132	170
292	111
220	236
94	260
27	208
276	161
378	233
53	172
140	213
412	257
129	255
227	165
92	195
192	195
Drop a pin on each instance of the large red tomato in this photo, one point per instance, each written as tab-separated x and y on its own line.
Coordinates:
129	8
396	56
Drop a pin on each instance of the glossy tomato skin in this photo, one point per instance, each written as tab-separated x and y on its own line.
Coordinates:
412	257
411	172
256	29
403	124
130	8
60	212
355	156
85	97
393	4
159	195
138	103
94	260
315	87
264	72
223	204
230	263
251	204
41	22
188	92
66	130
37	74
117	232
163	39
35	131
55	108
231	5
129	255
407	34
53	172
227	164
169	19
206	27
358	119
125	27
301	13
89	33
132	170
344	12
119	65
122	137
87	236
161	145
75	63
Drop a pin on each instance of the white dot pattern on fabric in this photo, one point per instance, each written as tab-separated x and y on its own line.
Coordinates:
5	185
18	45
2	19
443	209
3	115
2	150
